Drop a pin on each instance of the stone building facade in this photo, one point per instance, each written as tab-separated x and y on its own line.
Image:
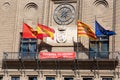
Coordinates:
62	16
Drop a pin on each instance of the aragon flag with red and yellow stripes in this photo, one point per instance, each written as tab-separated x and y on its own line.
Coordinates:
29	32
86	30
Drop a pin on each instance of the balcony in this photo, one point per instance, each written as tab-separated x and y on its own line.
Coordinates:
83	61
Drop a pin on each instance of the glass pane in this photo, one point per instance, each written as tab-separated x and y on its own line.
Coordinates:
87	78
32	78
93	49
50	78
106	78
104	46
25	49
1	78
33	47
32	50
68	78
15	78
93	46
104	50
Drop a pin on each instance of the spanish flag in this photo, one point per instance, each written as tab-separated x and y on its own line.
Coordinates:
29	32
86	30
41	34
45	31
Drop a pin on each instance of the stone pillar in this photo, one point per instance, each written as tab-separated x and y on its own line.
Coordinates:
6	77
58	75
40	75
23	76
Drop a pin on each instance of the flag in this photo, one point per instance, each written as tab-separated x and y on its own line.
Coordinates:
29	32
47	30
41	34
86	30
100	31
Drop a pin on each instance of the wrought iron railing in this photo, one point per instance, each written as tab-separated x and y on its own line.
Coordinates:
81	55
98	55
20	55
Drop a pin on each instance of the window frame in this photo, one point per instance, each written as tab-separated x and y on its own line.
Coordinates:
29	53
1	77
97	51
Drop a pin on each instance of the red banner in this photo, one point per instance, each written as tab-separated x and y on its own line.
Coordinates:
57	55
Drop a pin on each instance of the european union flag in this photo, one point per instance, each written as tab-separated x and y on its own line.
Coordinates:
100	31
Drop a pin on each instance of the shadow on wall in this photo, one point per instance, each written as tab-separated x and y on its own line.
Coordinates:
44	46
79	47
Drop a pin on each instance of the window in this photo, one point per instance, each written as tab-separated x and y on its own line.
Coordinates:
100	48
1	78
32	78
28	48
68	78
87	78
15	78
106	78
50	78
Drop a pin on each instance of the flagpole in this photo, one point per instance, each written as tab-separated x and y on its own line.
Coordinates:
22	31
80	2
37	33
76	43
77	32
20	54
22	28
95	33
95	17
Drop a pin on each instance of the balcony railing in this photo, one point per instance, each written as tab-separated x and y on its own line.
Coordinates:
19	55
98	55
84	60
80	55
